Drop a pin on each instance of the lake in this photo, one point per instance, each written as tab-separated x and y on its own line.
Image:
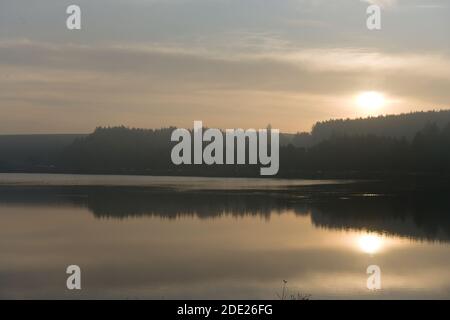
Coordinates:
138	237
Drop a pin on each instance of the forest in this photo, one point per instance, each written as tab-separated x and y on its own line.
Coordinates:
415	143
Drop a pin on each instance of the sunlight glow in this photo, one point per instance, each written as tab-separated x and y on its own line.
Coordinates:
370	101
370	243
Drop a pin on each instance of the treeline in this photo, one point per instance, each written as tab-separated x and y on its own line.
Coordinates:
427	152
416	143
119	150
396	126
124	150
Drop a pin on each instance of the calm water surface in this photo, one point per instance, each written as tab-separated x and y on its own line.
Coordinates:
166	238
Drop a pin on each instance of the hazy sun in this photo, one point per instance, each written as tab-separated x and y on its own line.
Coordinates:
370	101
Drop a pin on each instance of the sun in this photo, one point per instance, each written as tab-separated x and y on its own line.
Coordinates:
370	102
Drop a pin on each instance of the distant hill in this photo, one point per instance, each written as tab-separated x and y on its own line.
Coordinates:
32	150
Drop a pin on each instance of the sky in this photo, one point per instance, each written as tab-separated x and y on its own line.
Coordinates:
228	63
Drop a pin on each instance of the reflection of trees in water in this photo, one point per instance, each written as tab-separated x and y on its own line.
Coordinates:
173	204
418	215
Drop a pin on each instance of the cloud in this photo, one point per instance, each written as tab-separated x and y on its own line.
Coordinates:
152	85
172	59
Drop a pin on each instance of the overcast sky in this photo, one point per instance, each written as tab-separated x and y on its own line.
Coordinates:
230	63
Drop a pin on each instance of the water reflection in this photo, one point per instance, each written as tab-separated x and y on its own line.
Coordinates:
420	216
370	243
156	242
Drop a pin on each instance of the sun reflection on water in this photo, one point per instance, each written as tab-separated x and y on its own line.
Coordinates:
370	243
